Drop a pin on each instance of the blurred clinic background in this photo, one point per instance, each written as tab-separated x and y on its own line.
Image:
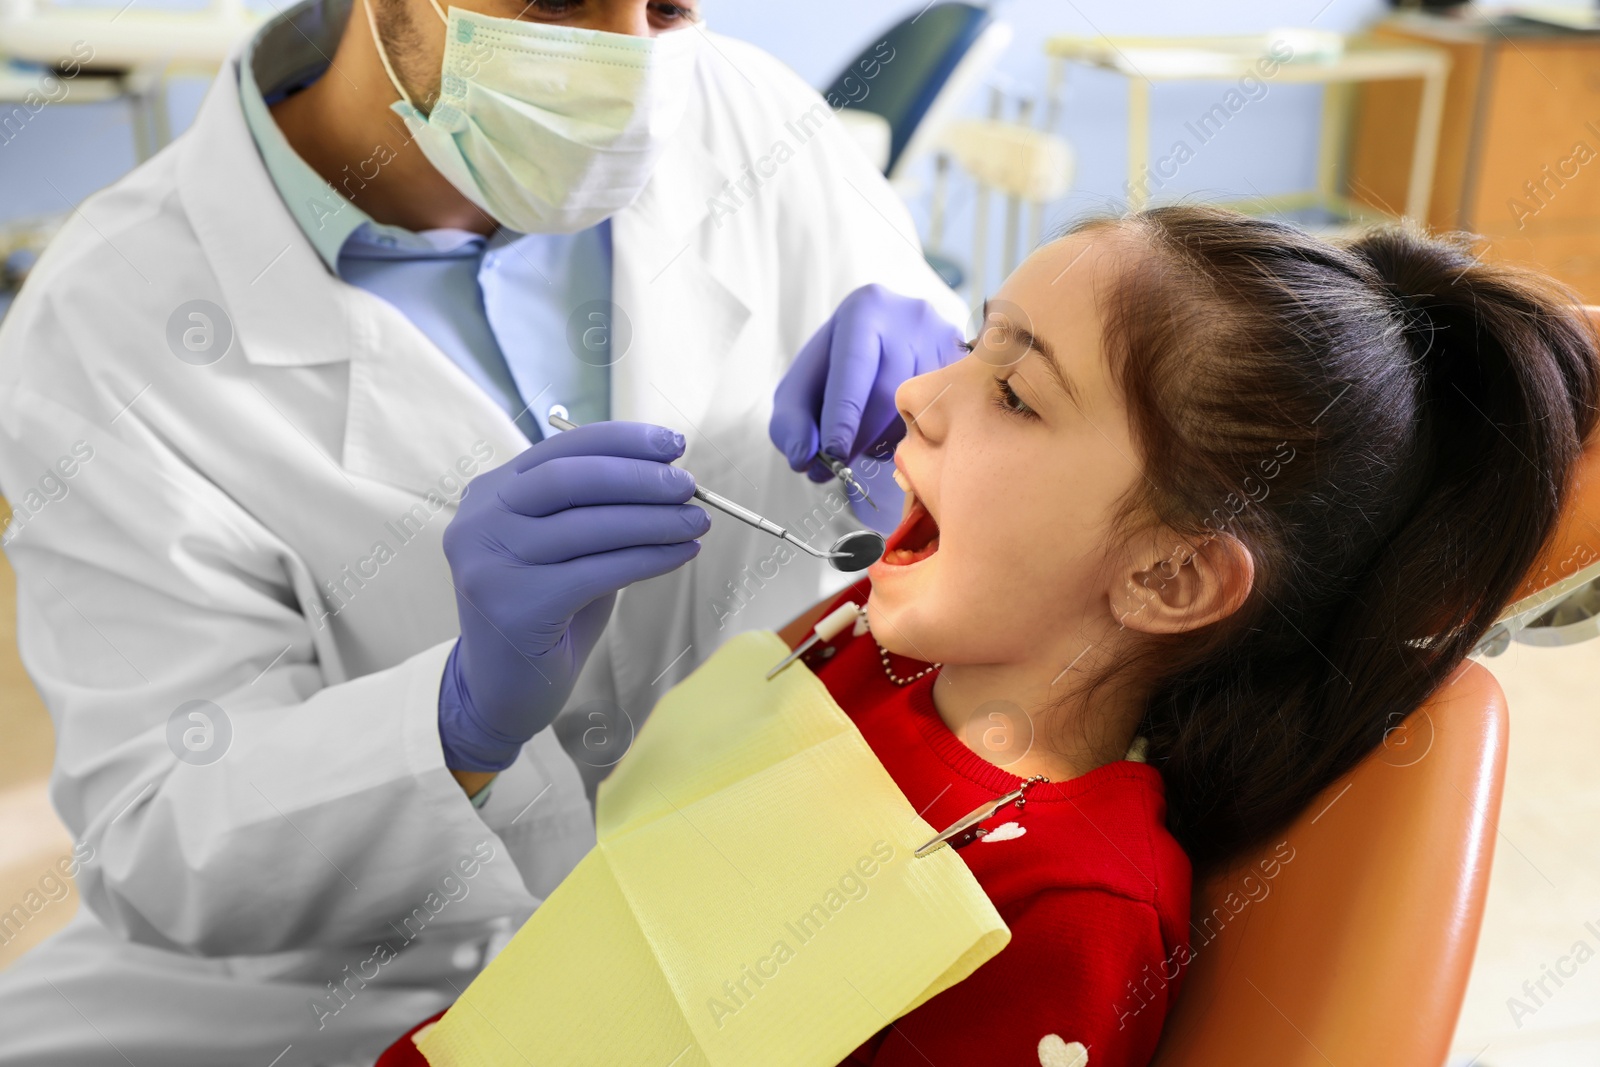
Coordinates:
997	123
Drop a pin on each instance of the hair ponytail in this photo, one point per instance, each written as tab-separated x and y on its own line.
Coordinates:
1507	372
1415	417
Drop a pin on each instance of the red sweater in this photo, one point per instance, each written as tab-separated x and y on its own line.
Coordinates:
1093	887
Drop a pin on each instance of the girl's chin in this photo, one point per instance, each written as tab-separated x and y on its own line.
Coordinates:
900	589
894	619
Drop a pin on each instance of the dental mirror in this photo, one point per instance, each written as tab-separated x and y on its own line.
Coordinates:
862	547
855	551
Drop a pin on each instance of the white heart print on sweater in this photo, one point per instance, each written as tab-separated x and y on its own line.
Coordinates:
1054	1052
1004	832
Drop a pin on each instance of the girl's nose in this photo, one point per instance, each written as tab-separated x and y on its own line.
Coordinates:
918	400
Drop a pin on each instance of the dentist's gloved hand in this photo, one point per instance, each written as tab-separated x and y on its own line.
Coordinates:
537	551
839	393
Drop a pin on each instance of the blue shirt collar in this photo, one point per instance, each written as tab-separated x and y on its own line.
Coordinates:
290	52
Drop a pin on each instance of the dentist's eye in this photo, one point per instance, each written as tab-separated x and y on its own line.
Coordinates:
673	14
1007	400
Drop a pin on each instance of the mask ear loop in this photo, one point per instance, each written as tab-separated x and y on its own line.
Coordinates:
383	54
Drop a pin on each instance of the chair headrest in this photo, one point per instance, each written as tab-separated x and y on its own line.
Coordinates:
1572	556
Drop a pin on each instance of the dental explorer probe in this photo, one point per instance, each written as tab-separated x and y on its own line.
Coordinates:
847	476
854	551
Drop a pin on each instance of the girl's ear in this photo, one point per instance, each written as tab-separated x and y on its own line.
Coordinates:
1168	593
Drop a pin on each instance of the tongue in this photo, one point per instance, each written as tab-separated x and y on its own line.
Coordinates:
915	531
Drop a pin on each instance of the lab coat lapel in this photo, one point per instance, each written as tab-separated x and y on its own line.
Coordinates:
273	285
410	413
685	314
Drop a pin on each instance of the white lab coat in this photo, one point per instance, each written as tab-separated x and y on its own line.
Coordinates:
189	557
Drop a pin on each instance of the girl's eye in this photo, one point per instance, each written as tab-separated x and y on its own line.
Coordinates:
966	346
1007	400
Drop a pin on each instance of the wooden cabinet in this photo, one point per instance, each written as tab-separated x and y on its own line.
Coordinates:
1519	151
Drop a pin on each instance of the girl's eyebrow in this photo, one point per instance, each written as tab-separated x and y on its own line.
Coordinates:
1038	344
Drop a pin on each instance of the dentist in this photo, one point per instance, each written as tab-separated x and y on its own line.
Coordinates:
323	579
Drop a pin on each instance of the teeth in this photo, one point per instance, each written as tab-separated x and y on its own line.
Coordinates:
905	487
904	557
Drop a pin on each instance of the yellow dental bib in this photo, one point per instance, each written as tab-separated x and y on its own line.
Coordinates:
752	898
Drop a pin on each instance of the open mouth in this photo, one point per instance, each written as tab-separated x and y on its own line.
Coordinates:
917	536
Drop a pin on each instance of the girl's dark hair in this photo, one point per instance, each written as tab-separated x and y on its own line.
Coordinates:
1389	425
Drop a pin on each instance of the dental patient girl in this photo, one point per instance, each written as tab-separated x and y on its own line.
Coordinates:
1210	504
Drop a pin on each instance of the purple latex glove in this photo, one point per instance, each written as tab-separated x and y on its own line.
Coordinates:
839	392
537	551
